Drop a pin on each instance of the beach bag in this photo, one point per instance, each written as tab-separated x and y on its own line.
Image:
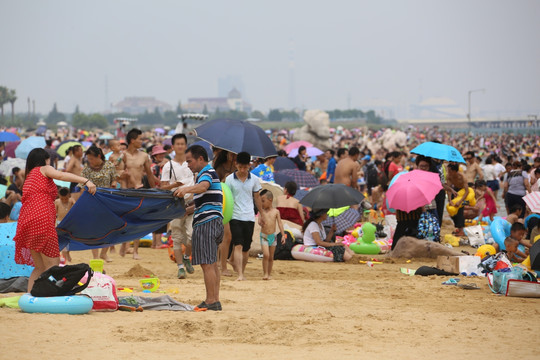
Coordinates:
102	290
428	227
283	251
475	235
62	280
499	280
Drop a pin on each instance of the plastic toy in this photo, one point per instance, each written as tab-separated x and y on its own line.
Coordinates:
365	244
485	250
452	210
228	203
150	284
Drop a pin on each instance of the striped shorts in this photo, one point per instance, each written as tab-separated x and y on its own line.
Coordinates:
205	241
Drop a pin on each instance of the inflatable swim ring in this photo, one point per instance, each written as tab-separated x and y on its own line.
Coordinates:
228	203
452	210
311	253
75	304
500	230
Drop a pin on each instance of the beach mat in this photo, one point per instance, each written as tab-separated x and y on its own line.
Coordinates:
164	302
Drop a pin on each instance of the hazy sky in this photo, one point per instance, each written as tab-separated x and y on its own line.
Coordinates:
399	51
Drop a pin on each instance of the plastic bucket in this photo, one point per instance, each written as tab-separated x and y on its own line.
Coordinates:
97	265
151	284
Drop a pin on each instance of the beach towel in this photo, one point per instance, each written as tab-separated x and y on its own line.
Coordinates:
15	284
164	302
114	216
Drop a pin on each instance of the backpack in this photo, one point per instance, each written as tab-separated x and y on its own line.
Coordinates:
428	227
283	251
372	175
62	280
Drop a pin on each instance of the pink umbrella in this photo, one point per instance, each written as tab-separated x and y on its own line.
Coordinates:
413	190
296	145
533	201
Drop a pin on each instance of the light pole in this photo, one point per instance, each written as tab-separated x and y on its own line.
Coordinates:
469	113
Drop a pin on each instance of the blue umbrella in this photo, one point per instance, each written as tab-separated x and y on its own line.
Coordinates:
438	151
7	136
28	145
237	136
283	163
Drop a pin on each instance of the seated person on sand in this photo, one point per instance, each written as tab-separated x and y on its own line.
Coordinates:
288	206
514	214
457	181
517	233
407	224
314	234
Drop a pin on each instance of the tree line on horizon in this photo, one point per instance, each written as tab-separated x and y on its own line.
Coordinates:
82	120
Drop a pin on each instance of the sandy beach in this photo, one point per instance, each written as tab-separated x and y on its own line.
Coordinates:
309	310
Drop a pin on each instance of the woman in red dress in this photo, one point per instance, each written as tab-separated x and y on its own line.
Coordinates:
36	241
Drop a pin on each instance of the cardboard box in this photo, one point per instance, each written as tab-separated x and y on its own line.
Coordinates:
459	264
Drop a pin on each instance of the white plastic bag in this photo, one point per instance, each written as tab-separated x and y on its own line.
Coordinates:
475	235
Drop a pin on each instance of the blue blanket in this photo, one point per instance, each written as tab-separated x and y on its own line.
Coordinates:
114	216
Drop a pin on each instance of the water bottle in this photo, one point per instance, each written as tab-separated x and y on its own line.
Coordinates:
59	283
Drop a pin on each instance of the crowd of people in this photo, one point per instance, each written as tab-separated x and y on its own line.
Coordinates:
509	164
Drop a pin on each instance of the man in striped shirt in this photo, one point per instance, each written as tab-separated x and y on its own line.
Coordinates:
207	223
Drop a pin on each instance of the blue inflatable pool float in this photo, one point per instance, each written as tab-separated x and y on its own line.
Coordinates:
75	304
500	230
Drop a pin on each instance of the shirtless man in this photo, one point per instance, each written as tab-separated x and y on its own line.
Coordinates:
136	163
473	169
347	169
75	166
457	180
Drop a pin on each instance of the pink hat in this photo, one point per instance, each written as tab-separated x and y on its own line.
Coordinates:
158	149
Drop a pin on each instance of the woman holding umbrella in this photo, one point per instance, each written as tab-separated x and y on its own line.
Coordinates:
314	235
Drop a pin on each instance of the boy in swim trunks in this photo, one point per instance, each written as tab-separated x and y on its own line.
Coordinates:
63	204
270	216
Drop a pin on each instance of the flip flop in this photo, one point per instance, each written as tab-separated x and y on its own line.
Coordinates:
451	281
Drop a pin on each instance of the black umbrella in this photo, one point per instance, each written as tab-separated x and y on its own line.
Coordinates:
283	163
534	252
332	196
237	136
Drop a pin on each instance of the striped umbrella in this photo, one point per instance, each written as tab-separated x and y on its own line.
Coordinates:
300	177
533	201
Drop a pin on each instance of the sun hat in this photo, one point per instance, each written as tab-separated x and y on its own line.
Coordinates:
158	149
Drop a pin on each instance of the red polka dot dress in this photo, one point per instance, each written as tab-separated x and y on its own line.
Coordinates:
36	229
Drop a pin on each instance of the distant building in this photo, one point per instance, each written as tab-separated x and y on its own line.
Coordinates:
139	105
233	101
226	83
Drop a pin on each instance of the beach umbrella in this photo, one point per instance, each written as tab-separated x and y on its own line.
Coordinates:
534	253
439	151
283	163
300	193
274	188
7	165
413	190
300	177
343	221
281	178
159	130
296	145
9	150
311	151
332	196
237	136
533	201
62	124
28	145
7	136
64	146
